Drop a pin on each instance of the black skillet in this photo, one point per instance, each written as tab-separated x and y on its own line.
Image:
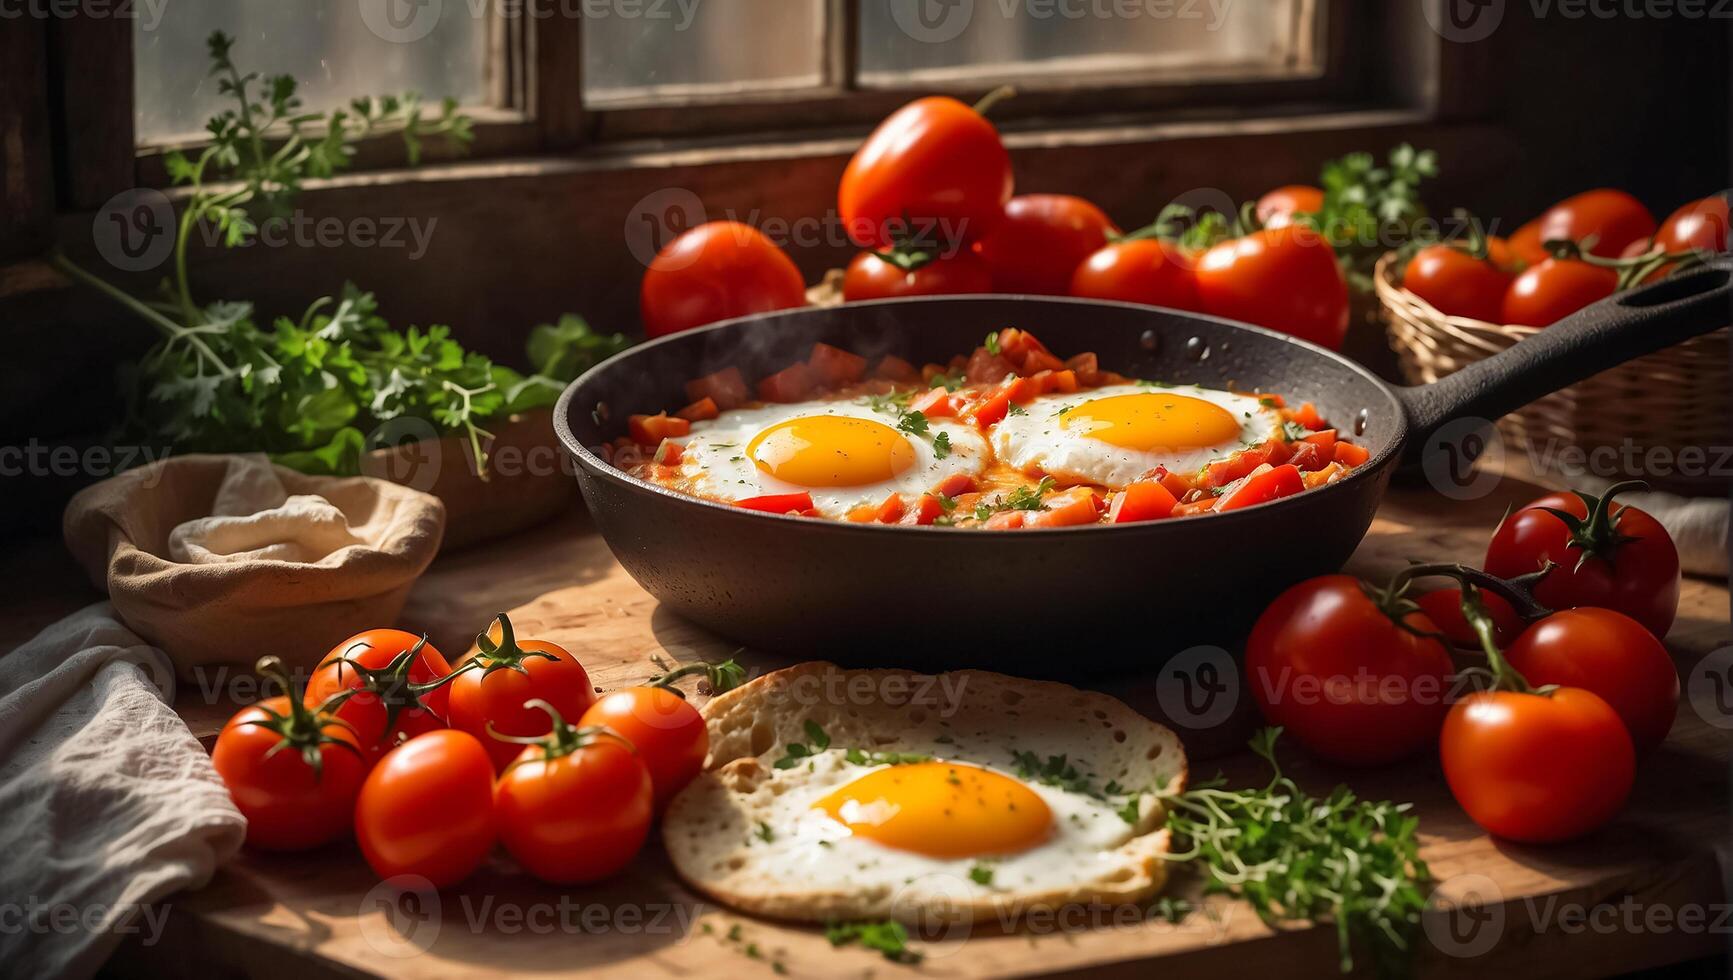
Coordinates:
1063	600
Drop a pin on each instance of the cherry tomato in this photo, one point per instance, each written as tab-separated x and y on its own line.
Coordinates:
1526	245
1350	680
1604	554
1553	289
935	166
1610	654
427	809
293	771
1040	240
512	672
872	276
1444	608
575	809
1537	767
382	666
1456	283
668	733
1277	208
717	271
1285	279
1699	225
1615	219
1140	270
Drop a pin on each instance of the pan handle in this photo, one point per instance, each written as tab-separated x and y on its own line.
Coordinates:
1595	338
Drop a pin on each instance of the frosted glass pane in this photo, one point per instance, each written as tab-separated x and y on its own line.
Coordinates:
336	49
663	49
905	39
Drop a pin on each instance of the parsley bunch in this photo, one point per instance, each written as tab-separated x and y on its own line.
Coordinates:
306	390
1292	856
1369	209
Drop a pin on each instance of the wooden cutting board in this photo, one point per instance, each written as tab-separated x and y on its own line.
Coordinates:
321	914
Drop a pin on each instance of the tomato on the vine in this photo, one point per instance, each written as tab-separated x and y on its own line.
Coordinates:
1040	240
1613	217
293	771
1350	672
1525	243
396	677
717	271
933	167
574	807
1285	279
1458	283
506	674
1277	208
667	731
1139	270
1553	289
1610	654
1700	225
885	275
1593	553
427	809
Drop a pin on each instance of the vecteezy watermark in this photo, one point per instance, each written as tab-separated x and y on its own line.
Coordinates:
1467	21
407	21
134	230
939	21
1199	688
1630	459
1709	687
921	695
148	13
34	916
38	459
1463	21
1462	458
1468	915
301	230
1464	915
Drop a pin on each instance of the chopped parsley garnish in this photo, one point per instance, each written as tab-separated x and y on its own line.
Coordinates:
764	832
1294	431
889	937
892	403
941	445
816	741
914	423
1022	498
992	342
1131	810
950	382
1055	770
980	874
1269	402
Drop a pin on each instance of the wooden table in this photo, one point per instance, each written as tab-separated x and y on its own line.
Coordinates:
1563	910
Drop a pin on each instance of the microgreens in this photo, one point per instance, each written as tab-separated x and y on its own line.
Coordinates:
889	937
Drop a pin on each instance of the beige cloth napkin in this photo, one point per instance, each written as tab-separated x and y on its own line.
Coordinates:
222	559
111	804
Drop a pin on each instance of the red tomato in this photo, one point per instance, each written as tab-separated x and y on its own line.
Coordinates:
1606	555
1701	224
575	809
1277	208
1610	654
1261	486
1285	279
1444	608
716	271
1456	283
292	771
872	276
1525	243
1040	240
667	731
1334	668
427	809
383	667
509	672
1537	767
1615	219
935	166
1554	289
1140	270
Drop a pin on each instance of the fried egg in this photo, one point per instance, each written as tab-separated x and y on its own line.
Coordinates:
833	794
1112	435
845	454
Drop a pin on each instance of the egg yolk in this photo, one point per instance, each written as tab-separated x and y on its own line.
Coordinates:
1153	420
941	809
831	451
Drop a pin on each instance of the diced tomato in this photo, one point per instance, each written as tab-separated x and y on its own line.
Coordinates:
834	366
1280	450
891	510
1036	361
727	388
1307	415
934	403
1068	508
926	510
1204	506
1020	389
1263	484
1225	471
669	453
1328	474
1065	382
1005	520
650	430
698	411
956	485
1145	500
931	371
991	408
791	384
893	368
778	503
1087	369
1310	456
985	367
1349	454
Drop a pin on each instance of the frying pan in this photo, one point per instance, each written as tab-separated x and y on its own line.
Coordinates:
1059	600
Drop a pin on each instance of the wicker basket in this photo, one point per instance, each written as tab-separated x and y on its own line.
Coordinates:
1673	399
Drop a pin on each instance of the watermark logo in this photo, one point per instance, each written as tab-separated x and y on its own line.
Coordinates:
659	218
936	909
134	230
414	453
1449	457
1710	688
407	920
401	21
933	21
1463	21
1464	916
1199	688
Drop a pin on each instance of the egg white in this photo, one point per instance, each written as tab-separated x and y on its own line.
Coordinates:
714	459
1035	439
